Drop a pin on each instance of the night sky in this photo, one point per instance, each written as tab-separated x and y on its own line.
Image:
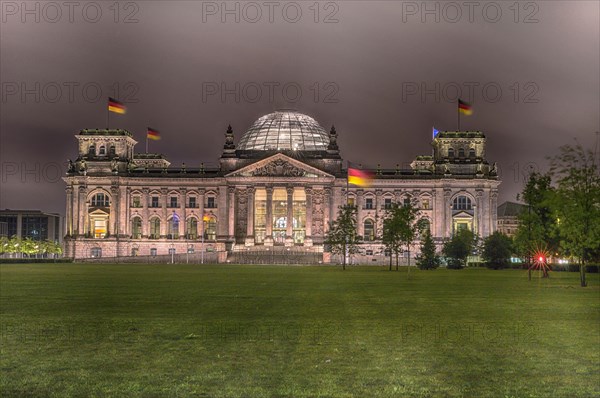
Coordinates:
383	72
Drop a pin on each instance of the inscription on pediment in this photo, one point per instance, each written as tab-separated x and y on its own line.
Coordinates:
278	168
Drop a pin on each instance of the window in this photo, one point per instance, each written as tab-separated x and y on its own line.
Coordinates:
136	228
102	150
154	201
190	249
155	228
425	204
96	252
153	251
100	200
387	203
461	152
462	203
472	153
406	201
351	201
210	202
173	201
112	151
134	251
92	150
191	229
173	225
210	232
369	230
172	250
450	152
425	225
136	201
192	202
369	252
368	203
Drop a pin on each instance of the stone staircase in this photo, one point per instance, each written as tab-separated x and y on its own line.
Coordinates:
276	255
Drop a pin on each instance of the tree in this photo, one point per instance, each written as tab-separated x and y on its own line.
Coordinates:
577	202
342	237
428	259
459	247
497	249
400	228
537	224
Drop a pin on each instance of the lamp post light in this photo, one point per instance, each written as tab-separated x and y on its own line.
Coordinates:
172	250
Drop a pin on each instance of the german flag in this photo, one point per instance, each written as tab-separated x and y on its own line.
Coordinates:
116	106
360	178
464	107
153	134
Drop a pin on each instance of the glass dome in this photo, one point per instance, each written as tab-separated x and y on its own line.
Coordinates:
285	130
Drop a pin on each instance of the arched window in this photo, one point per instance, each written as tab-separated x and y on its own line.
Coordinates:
462	203
210	228
136	228
173	226
100	200
369	230
472	153
112	151
450	152
102	150
461	152
92	150
155	228
191	228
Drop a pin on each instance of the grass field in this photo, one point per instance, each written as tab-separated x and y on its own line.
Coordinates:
262	331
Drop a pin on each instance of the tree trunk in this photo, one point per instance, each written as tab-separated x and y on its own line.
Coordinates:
582	273
391	259
396	261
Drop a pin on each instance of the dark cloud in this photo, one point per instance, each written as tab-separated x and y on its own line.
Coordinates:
353	73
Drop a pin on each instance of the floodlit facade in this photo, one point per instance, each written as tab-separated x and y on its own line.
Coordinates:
277	189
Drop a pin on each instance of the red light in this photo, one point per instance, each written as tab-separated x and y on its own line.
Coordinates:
541	259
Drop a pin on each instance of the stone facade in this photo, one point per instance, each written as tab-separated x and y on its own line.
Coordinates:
120	203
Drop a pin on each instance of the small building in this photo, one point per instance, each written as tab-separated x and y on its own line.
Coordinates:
32	224
508	217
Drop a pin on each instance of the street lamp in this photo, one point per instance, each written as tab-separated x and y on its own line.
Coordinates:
172	250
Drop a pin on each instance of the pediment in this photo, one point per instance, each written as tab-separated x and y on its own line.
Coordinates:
462	214
279	165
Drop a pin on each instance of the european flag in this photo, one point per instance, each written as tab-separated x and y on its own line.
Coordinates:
435	132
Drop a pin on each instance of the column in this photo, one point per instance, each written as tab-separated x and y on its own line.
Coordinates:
231	212
201	222
447	213
69	212
164	224
308	238
222	224
124	217
289	225
269	223
145	204
327	211
250	221
113	217
82	209
182	213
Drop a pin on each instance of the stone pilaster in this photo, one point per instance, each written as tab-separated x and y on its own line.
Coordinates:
309	219
164	225
145	215
182	213
231	213
269	221
250	222
69	212
201	222
289	226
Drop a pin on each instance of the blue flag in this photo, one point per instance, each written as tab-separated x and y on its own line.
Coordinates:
435	132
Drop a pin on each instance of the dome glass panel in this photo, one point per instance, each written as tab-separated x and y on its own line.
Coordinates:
285	130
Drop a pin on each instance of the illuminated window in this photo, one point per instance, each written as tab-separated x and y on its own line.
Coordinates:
369	230
96	252
154	228
425	204
191	229
136	201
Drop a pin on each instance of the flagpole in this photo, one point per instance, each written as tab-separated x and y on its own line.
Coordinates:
458	117
146	142
107	118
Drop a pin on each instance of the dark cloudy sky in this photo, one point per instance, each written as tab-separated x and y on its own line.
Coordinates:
383	72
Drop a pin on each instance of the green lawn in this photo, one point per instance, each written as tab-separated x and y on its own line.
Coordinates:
262	331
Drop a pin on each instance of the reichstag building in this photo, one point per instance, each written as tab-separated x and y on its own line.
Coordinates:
276	190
